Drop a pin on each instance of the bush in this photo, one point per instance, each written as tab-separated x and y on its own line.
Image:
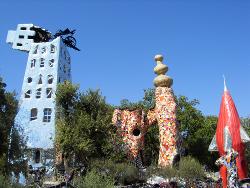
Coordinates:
5	183
122	173
167	172
126	174
94	179
190	168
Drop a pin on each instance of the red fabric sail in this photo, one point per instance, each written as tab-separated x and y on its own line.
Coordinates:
228	117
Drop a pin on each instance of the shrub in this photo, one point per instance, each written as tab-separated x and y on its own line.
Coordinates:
94	179
190	168
169	173
5	183
122	173
126	174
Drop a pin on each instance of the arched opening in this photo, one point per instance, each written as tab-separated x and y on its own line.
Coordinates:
151	145
37	156
33	114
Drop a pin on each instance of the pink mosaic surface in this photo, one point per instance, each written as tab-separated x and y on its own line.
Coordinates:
164	114
132	129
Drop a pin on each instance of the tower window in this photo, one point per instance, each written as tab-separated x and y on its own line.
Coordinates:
50	79
29	79
33	63
40	81
33	114
37	156
21	36
27	94
19	44
52	48
42	62
35	49
51	62
23	28
47	114
49	92
38	93
43	50
64	68
65	55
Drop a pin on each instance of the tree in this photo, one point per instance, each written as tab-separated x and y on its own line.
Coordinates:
83	125
12	143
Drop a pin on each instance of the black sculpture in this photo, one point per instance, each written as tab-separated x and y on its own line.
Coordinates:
41	35
67	38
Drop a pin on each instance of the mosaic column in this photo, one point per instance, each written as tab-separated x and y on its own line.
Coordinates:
131	128
165	114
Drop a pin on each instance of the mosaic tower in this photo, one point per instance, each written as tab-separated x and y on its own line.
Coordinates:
48	64
134	124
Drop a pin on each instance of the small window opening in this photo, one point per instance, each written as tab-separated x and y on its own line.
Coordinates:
19	44
42	62
47	114
38	93
50	79
43	50
29	79
27	94
35	49
49	92
31	37
51	62
40	79
33	114
21	36
33	63
37	156
52	48
59	80
64	68
23	28
136	132
65	55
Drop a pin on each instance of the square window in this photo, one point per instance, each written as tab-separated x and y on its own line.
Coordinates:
47	114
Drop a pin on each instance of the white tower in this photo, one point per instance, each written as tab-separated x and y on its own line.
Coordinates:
48	64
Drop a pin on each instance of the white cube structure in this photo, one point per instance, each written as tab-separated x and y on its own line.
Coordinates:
48	64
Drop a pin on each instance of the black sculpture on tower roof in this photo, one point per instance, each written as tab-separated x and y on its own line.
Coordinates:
67	38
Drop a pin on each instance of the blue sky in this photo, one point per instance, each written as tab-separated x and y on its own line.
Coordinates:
200	40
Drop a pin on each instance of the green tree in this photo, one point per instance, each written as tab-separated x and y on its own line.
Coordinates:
83	123
12	143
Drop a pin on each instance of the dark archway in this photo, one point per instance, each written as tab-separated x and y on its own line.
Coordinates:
37	156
